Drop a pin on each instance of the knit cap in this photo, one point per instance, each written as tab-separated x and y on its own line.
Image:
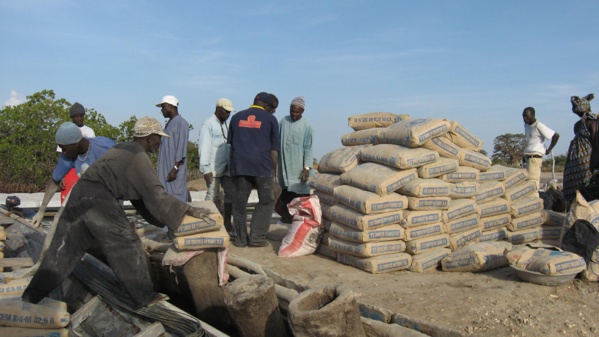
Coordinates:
68	133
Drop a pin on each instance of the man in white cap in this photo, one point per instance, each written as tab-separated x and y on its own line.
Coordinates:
93	214
214	159
78	152
172	166
295	158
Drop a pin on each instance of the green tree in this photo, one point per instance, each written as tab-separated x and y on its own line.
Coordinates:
508	149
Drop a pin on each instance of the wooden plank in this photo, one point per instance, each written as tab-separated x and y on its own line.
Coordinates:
16	262
154	330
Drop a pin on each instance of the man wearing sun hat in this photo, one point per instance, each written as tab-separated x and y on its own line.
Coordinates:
93	214
172	166
78	153
214	159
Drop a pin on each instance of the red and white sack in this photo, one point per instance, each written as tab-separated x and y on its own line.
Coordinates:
304	233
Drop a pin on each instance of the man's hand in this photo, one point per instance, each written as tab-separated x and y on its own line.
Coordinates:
208	178
172	175
198	212
37	219
304	175
62	185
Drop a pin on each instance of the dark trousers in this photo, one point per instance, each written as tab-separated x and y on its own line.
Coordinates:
262	215
281	205
93	215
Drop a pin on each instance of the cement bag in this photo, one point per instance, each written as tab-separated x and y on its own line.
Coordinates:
545	260
496	221
474	159
398	156
32	332
325	213
378	178
579	210
440	167
425	188
215	239
386	233
492	174
428	261
324	248
362	137
341	160
427	244
464	138
549	233
325	197
462	224
421	218
325	182
522	236
360	221
553	218
191	225
367	249
489	191
459	208
521	191
445	147
492	208
305	231
526	221
14	288
368	202
497	234
463	174
465	189
526	206
464	238
414	233
378	264
374	120
427	204
477	257
414	132
515	177
16	313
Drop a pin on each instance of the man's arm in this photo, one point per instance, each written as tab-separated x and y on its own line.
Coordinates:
205	152
51	188
554	140
180	137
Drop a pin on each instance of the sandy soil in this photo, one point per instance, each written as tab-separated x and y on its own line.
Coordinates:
495	303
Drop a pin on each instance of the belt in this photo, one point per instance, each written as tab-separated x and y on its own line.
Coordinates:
527	156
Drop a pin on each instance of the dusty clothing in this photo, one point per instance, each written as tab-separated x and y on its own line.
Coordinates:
93	214
213	189
262	214
533	165
172	150
576	172
295	154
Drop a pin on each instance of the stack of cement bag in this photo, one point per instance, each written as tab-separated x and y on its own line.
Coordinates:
47	318
202	233
2	240
403	195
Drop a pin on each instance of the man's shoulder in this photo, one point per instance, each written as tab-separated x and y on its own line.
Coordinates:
102	140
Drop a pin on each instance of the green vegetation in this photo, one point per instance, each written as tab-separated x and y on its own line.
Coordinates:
27	147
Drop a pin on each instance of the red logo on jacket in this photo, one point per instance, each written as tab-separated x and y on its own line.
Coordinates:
251	123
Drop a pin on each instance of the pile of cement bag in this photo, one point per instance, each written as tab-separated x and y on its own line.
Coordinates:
403	193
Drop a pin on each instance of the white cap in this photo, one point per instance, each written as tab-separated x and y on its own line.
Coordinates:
172	100
225	103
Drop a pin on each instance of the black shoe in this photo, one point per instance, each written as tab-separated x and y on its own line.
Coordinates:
263	243
239	244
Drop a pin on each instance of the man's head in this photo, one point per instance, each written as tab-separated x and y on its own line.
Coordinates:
275	104
148	132
169	106
528	115
264	100
296	109
77	114
68	138
224	107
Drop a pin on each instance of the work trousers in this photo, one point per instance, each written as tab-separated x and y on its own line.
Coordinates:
262	215
91	215
533	165
213	189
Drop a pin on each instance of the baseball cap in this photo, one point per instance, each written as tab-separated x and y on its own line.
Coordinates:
68	133
146	126
172	100
225	103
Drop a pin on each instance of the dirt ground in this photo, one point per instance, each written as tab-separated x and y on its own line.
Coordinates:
495	303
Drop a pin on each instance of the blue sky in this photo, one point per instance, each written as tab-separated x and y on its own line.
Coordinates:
477	62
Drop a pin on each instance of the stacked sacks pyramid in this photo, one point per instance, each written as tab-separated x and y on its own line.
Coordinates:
403	193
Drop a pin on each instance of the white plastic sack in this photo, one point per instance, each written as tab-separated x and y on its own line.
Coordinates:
304	234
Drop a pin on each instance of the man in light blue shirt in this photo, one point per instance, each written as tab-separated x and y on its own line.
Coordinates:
214	159
295	157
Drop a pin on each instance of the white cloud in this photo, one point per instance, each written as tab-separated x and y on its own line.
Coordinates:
14	99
